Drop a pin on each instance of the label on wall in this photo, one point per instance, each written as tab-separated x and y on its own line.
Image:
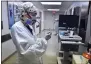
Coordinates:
10	14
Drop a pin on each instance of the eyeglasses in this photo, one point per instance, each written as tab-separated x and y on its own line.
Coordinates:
34	13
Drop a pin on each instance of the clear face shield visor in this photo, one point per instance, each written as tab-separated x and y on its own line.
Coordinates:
32	16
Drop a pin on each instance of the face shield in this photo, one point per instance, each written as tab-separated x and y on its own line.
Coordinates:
30	13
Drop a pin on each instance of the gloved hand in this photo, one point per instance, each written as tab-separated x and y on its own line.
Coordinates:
48	36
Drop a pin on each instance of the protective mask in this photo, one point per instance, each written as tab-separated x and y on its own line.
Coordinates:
28	21
31	21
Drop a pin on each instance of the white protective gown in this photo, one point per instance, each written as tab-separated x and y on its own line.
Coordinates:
29	48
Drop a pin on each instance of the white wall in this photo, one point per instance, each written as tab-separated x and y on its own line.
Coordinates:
88	31
42	21
49	19
76	4
7	46
5	19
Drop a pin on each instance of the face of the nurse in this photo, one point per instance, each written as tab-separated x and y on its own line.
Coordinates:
30	16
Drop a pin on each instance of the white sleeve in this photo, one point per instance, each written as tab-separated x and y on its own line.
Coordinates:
27	45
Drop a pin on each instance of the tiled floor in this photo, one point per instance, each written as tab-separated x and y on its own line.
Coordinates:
50	56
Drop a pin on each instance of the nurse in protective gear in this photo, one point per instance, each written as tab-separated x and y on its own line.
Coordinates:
29	47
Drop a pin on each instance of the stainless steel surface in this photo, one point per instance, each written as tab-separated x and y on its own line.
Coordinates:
68	38
70	42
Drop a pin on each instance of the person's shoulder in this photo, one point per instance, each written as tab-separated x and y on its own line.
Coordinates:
16	24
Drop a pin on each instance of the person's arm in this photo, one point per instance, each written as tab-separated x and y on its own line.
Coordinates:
28	46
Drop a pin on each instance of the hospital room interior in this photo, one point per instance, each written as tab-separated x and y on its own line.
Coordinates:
64	29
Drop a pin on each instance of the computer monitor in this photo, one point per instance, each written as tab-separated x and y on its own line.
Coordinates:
70	21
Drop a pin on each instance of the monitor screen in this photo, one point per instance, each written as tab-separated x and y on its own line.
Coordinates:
82	24
68	21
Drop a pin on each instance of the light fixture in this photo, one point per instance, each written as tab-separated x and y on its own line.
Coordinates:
51	3
53	9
